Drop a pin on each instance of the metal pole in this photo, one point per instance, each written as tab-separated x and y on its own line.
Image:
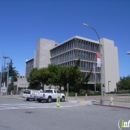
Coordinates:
101	82
7	71
1	74
7	78
108	87
95	75
8	75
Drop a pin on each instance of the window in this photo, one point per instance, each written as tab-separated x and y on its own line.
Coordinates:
48	91
58	91
27	91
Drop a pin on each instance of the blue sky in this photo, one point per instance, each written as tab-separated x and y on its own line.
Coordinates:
22	22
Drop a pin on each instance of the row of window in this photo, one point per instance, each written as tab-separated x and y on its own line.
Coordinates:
84	66
75	44
93	77
75	54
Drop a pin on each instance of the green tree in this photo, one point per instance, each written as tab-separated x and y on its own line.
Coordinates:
43	76
59	76
124	83
75	77
33	79
54	74
12	72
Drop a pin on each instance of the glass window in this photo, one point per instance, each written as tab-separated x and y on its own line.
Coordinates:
27	92
48	91
58	91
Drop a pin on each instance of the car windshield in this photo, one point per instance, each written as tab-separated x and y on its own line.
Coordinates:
27	92
48	91
58	91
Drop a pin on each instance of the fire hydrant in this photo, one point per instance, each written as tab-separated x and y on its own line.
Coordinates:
111	100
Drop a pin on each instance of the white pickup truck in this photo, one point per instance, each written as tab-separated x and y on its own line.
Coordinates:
31	94
49	95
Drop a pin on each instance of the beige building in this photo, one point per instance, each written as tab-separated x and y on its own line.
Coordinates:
110	64
21	82
68	52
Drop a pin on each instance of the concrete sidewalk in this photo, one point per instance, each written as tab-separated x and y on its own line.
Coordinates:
95	100
11	96
115	104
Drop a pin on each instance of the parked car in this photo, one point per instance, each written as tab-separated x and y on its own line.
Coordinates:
30	94
50	95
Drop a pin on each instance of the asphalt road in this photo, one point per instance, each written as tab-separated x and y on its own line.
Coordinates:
22	115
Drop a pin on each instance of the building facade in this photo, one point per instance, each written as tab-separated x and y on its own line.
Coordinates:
29	66
68	52
22	82
76	48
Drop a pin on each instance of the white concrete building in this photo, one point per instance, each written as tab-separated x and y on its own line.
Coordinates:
42	53
68	52
110	64
22	82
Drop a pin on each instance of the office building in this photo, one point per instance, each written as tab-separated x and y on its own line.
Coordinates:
68	52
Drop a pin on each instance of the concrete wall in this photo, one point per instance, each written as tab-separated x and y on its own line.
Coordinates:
34	64
22	83
29	66
42	54
110	64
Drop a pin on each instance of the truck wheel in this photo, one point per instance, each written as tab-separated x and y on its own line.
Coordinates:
38	100
49	99
27	99
35	99
62	99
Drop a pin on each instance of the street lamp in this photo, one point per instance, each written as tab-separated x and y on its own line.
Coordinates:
7	57
86	25
108	87
1	75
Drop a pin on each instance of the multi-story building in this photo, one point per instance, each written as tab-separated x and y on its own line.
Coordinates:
68	52
29	66
21	82
41	55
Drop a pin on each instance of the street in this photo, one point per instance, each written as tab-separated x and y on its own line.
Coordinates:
18	114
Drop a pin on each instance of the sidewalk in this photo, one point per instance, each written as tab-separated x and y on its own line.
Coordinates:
11	96
95	100
115	104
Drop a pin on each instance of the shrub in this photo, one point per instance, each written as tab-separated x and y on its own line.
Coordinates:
71	94
92	93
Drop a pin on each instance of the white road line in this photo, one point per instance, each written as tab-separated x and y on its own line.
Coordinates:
32	106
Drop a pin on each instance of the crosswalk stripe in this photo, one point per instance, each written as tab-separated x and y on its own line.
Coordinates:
33	105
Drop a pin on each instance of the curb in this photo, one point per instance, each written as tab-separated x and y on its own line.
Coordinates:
11	97
111	106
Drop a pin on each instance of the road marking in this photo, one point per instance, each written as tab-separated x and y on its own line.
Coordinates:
82	102
34	105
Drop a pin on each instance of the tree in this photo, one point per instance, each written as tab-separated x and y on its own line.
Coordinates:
33	79
43	76
12	73
59	76
124	83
